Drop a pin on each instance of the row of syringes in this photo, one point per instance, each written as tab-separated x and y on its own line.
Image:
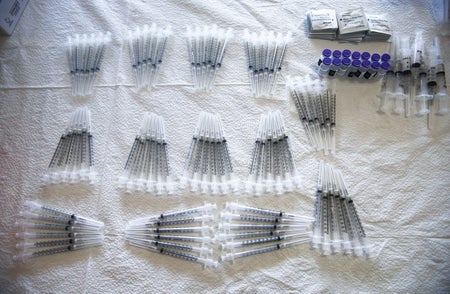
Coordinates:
73	160
147	46
418	77
208	167
186	234
46	231
271	168
206	48
147	167
190	234
337	227
316	106
85	55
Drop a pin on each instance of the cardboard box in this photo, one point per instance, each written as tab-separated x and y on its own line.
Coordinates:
10	13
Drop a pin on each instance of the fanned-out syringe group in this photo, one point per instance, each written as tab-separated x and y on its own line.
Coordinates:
265	55
271	168
316	106
206	49
147	167
246	231
45	230
184	234
337	227
85	54
208	167
147	46
73	160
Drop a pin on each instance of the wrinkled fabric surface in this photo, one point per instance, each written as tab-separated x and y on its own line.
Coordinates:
397	170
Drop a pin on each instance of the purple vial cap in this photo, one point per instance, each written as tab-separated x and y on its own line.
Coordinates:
326	61
326	52
346	61
365	55
356	63
385	65
337	54
365	63
346	53
356	55
376	65
375	57
336	61
385	57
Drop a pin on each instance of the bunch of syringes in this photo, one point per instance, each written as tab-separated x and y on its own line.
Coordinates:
417	77
246	230
147	167
73	159
271	168
46	231
337	227
147	46
184	234
206	48
265	55
316	106
355	65
208	167
85	55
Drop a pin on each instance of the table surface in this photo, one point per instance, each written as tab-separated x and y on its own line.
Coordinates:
397	170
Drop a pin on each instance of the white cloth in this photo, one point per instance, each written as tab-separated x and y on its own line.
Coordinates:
397	171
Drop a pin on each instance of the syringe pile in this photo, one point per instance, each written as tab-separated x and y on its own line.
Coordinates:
73	160
206	48
147	46
85	54
337	227
208	167
45	231
147	167
316	106
418	77
184	234
246	231
265	55
271	168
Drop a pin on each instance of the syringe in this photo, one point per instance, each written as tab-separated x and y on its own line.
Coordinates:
226	216
441	96
256	234
226	227
204	209
203	230
178	238
235	255
203	251
234	206
37	209
24	256
251	242
206	262
30	216
163	223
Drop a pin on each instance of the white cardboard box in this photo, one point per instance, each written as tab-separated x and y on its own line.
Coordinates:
10	13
